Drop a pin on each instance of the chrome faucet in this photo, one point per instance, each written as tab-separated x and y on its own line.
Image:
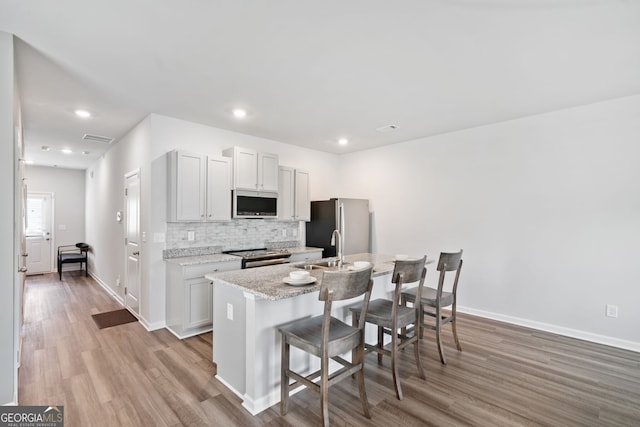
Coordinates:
338	246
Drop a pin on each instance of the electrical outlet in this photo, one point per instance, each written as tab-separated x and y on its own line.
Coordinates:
284	232
191	236
229	311
611	310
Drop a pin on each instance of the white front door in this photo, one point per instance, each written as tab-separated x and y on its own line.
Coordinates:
38	232
133	246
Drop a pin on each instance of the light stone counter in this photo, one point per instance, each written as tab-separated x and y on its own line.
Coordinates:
202	259
268	282
299	249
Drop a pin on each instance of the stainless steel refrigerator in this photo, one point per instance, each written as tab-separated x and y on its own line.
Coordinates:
350	216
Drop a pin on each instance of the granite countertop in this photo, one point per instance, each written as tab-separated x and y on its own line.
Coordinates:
300	249
267	282
220	257
203	259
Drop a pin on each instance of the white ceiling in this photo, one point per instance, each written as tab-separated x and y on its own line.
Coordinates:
310	72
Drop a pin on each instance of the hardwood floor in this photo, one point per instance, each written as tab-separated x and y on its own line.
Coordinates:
126	376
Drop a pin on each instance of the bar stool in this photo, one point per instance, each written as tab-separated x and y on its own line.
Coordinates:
326	337
437	299
392	318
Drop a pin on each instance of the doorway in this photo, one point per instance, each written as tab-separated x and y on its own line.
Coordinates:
39	226
132	240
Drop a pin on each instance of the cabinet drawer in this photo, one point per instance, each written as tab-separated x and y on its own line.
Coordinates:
194	271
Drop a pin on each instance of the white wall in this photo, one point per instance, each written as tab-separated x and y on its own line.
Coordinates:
8	258
105	197
145	148
546	208
68	189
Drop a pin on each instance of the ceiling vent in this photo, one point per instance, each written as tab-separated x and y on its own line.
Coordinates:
97	138
387	128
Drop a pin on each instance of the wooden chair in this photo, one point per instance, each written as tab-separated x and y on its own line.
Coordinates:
326	337
73	254
393	319
434	300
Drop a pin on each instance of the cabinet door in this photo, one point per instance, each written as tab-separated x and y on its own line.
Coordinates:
285	193
190	186
267	172
245	168
198	303
218	188
302	208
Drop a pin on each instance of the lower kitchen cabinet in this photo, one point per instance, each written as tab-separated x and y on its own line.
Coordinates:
189	302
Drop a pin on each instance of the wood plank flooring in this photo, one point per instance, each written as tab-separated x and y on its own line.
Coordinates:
125	376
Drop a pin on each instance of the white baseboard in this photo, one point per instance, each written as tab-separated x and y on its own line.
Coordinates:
560	330
151	326
110	291
148	326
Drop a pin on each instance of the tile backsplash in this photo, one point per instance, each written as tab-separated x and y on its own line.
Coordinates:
236	234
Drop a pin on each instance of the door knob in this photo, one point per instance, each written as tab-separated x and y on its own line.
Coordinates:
136	253
22	269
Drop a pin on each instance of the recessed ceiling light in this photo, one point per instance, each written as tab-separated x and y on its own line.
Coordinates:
46	148
83	113
66	151
239	113
343	141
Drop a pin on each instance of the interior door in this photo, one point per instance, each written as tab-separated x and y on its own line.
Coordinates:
38	232
133	246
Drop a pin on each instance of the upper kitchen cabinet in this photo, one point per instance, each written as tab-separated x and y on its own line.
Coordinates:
199	187
253	170
218	188
293	194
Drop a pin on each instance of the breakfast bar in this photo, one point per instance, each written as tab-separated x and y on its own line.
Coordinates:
248	307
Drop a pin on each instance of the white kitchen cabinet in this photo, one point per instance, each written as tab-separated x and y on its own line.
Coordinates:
253	170
189	303
293	194
199	187
218	188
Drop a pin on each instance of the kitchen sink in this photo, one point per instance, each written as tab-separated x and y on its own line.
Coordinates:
319	265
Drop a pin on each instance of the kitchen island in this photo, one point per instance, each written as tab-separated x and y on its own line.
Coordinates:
250	305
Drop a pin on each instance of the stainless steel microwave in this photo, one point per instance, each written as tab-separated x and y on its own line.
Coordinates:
255	204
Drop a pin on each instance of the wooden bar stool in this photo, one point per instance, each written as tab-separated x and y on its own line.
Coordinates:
393	319
432	301
326	337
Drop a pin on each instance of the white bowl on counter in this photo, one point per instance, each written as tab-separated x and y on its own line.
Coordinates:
361	264
299	275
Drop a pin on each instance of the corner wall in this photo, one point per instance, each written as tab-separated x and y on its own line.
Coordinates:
546	208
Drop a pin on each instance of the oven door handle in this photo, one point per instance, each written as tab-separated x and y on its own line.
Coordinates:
251	264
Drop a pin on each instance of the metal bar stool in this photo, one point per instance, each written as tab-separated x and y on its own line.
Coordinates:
393	319
326	337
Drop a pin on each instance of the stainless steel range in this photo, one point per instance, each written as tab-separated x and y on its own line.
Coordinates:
260	257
